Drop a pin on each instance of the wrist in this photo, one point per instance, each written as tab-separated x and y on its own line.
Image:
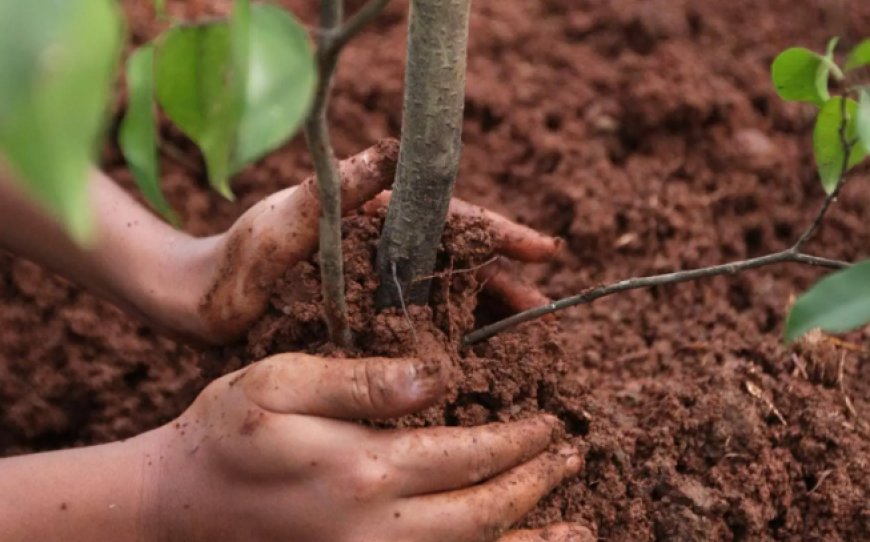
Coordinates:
78	495
169	291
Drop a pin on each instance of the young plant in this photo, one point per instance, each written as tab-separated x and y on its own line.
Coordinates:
240	88
841	140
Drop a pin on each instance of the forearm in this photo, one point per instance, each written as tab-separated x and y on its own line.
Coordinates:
87	494
132	261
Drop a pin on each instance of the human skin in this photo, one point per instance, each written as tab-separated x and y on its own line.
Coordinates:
211	290
270	452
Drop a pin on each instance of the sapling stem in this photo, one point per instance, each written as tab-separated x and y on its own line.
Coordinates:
430	147
791	254
329	43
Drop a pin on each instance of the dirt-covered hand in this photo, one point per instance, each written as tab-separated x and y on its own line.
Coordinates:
272	236
269	453
513	241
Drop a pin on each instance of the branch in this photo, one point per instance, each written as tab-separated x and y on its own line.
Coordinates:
645	282
792	254
352	27
329	45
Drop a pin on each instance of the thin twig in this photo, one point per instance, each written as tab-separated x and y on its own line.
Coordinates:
792	254
645	282
357	22
329	185
329	43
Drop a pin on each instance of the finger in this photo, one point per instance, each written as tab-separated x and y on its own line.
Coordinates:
485	511
500	279
289	220
563	532
443	458
370	388
512	240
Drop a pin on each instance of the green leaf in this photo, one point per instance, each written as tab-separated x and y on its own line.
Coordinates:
837	303
238	89
827	144
194	86
57	61
138	134
801	75
859	56
862	120
282	78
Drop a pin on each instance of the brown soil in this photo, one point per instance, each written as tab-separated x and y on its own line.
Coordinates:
646	133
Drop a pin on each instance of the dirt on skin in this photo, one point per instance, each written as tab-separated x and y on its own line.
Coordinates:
647	134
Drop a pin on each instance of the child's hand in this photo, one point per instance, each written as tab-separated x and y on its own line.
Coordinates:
282	230
213	289
269	453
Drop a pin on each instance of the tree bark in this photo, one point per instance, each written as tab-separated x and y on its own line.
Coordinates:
430	148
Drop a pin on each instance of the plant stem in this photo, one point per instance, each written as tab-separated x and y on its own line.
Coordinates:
329	45
430	148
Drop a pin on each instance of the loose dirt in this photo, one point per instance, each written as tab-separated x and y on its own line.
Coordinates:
647	134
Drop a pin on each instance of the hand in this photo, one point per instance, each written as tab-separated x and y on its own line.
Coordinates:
213	289
267	453
282	230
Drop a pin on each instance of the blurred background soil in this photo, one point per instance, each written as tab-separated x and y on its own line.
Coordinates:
647	134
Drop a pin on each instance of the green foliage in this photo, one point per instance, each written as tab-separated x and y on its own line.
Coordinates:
281	82
827	144
862	120
837	303
237	88
57	61
138	134
860	56
841	301
199	88
802	75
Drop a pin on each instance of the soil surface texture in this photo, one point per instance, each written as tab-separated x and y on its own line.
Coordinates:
646	133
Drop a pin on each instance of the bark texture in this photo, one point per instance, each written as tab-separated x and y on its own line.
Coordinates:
430	148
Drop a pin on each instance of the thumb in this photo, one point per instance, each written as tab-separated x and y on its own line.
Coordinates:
369	388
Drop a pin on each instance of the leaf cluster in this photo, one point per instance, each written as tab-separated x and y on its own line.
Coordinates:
238	88
841	140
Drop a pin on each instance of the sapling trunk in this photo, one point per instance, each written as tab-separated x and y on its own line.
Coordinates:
430	147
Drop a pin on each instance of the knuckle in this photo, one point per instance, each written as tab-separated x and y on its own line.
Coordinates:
370	386
371	480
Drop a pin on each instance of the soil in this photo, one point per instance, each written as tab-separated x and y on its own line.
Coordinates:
644	132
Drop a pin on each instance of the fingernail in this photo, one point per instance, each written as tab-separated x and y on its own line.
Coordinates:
572	457
425	377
